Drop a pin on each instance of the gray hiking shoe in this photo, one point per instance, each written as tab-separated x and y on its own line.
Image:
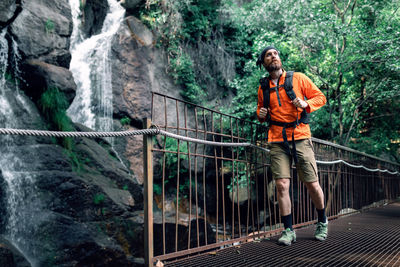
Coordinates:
288	237
321	232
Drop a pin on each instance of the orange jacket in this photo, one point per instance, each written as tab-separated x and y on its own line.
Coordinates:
303	87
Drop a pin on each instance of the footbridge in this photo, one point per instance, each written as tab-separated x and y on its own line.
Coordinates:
210	200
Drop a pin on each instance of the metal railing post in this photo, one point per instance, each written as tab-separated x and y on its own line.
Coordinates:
148	194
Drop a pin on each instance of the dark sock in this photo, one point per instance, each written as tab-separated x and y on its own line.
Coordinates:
321	215
287	221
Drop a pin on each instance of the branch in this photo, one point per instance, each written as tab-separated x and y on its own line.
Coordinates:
337	8
352	12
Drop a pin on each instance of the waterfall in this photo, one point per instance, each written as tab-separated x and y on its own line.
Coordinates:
23	208
91	69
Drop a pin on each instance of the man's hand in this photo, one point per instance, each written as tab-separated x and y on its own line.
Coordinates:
263	113
298	103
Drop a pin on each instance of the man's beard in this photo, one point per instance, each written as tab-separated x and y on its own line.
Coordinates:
274	66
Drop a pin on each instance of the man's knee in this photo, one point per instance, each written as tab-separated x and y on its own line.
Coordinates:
282	185
313	187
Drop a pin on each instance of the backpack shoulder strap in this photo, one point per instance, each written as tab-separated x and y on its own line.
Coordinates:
288	85
264	82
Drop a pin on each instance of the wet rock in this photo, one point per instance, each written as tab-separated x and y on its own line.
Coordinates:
131	5
138	69
7	9
42	31
41	75
93	14
9	255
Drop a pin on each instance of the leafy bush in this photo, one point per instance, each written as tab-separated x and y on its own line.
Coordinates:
53	105
98	198
125	121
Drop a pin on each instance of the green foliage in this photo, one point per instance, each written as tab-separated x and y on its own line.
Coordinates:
171	168
125	121
98	198
183	74
191	32
53	106
171	160
241	178
350	54
49	26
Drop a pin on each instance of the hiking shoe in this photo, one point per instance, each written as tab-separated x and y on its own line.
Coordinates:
321	232
288	236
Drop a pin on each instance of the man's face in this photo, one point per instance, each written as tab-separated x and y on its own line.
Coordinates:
272	61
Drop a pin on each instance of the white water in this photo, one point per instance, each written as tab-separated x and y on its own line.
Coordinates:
91	68
23	206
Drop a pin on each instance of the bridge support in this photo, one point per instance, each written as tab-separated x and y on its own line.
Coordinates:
148	194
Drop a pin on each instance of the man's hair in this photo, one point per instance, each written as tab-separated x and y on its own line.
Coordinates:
260	59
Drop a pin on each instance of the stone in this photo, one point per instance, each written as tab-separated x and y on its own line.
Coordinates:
7	9
131	5
94	13
42	75
10	256
42	29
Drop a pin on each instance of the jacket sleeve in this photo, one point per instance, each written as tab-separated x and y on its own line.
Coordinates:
315	98
260	103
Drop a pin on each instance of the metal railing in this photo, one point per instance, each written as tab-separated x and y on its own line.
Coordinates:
200	197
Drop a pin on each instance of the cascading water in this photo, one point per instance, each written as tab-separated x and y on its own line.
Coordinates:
23	207
91	68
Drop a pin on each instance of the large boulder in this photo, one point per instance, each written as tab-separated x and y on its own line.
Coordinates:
41	75
42	31
131	5
138	69
94	12
7	9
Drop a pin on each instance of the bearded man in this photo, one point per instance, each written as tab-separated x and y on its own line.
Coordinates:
284	100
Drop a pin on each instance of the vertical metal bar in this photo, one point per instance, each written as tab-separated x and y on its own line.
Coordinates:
177	179
204	174
190	179
148	194
163	178
233	182
216	174
222	174
248	194
237	159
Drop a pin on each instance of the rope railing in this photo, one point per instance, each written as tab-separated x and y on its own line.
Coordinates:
154	130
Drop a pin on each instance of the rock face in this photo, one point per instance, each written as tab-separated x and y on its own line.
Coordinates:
85	203
94	13
79	205
9	255
138	69
43	29
7	9
131	5
42	75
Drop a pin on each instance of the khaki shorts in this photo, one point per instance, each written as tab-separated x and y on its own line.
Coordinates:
306	165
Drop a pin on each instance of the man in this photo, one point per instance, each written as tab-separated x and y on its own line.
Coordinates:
290	137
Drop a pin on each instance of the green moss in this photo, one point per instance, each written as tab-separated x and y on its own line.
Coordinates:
125	121
53	106
49	26
98	199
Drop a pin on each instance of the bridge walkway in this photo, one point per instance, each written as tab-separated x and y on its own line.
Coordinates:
368	238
